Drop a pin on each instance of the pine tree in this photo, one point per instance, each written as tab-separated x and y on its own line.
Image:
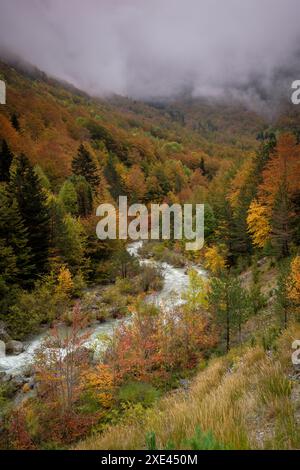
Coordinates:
84	196
15	238
56	229
229	303
68	197
26	188
45	183
113	178
73	247
83	165
6	158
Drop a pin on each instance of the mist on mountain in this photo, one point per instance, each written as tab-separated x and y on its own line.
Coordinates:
161	49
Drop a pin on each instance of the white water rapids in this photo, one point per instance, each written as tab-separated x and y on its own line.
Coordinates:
175	282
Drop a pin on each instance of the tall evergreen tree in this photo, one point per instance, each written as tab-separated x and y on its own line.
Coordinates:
26	188
229	303
68	197
113	178
84	195
6	158
83	165
14	237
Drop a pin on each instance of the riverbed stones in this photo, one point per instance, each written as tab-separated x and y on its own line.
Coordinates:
14	347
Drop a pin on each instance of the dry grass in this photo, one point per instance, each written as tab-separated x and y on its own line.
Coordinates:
244	398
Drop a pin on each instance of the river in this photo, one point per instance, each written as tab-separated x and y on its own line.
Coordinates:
175	282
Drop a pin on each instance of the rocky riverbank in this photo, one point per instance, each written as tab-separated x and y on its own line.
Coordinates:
16	357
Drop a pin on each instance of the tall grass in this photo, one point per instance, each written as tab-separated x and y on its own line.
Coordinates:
242	399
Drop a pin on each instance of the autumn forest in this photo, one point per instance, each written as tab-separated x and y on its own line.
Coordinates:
114	344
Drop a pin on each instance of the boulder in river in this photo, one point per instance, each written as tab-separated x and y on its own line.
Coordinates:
14	347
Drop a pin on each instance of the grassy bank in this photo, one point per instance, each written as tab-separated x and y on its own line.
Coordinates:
249	398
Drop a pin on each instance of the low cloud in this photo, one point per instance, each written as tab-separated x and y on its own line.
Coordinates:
158	48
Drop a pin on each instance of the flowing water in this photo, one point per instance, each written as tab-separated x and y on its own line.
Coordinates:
175	282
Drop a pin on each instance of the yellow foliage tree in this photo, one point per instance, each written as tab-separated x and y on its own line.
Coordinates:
258	224
239	182
215	259
65	282
196	293
294	281
100	382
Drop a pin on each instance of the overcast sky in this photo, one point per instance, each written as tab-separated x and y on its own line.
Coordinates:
152	48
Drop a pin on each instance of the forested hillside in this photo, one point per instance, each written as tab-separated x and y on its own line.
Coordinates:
62	153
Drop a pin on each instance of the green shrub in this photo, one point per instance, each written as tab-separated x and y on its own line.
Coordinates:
205	441
113	297
126	286
79	284
150	279
270	337
138	392
151	441
200	441
42	305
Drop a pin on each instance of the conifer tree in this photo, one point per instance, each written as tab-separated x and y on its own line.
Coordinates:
67	241
6	158
68	197
56	228
14	237
230	304
113	178
83	165
84	196
32	204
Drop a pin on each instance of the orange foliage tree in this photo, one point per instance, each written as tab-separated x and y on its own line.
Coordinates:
281	182
156	343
